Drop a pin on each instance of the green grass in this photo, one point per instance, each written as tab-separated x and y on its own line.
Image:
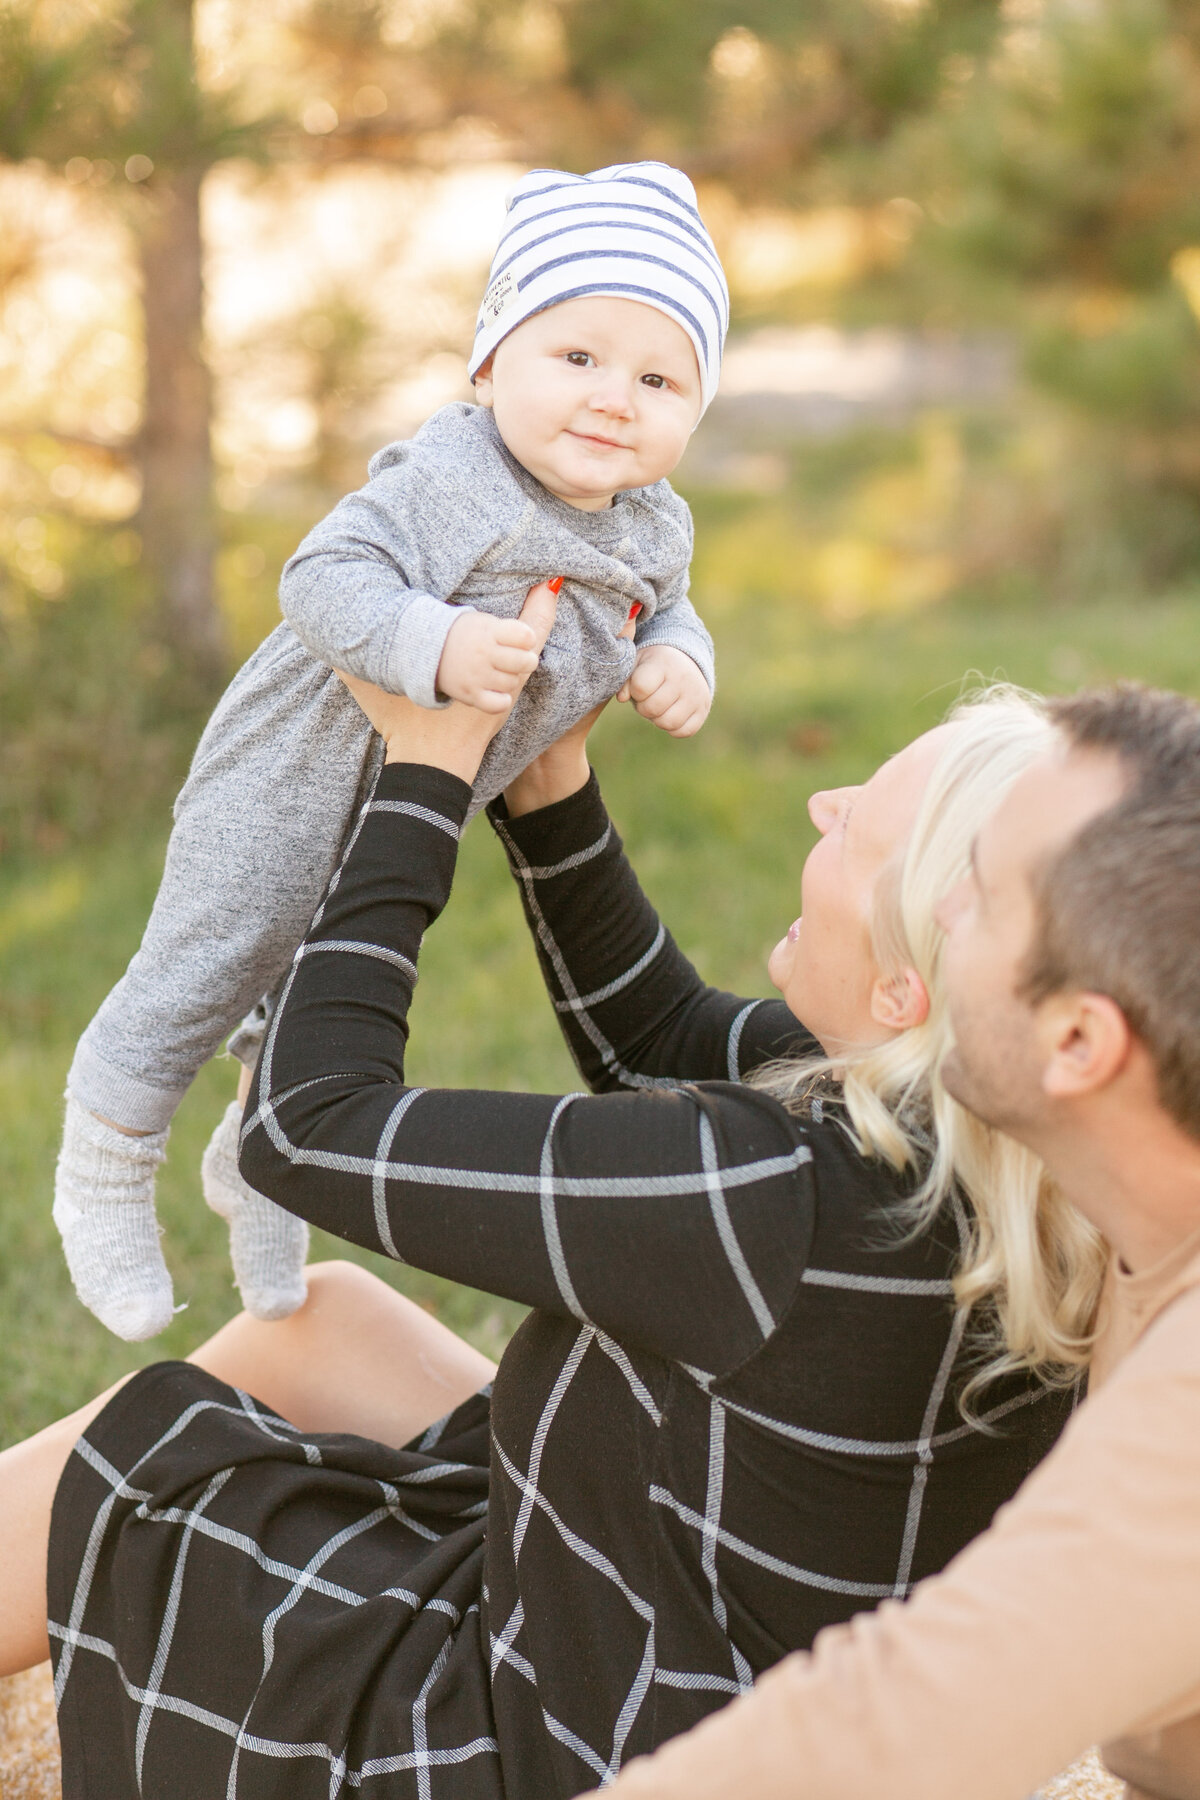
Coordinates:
717	828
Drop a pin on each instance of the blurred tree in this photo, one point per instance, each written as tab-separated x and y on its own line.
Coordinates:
1063	185
758	94
158	105
116	95
122	97
334	354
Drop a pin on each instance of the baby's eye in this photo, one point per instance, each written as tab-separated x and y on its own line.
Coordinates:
578	359
655	381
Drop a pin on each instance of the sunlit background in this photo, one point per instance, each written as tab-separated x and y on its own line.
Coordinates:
242	246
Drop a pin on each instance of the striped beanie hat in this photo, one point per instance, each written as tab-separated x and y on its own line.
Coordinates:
632	231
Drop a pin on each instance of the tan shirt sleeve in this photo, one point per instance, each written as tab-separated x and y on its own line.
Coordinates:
1074	1619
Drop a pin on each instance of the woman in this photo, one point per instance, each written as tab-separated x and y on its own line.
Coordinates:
735	1414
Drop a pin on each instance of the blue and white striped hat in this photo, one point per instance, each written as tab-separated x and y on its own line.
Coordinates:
631	230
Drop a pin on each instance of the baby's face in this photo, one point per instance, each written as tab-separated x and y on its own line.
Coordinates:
594	396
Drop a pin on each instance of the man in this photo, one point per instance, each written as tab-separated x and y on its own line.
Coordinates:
1073	967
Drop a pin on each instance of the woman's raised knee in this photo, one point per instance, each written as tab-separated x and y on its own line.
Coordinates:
339	1284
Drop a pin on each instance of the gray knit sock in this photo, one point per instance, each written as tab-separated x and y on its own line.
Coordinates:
268	1246
104	1210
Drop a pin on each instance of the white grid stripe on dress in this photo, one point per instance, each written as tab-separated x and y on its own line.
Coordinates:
166	1634
596	1037
582	1002
766	1559
733	1043
550	1231
379	1173
725	1231
920	1474
711	1535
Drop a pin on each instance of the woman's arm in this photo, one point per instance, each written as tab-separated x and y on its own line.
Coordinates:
633	1009
673	1221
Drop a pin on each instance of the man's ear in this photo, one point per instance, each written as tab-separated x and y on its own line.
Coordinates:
1086	1042
900	1001
483	383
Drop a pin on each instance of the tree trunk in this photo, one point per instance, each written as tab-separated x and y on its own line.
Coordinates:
176	519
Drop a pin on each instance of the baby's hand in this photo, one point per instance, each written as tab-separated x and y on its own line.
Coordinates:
667	688
485	661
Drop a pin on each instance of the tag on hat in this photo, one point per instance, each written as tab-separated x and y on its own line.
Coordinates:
499	297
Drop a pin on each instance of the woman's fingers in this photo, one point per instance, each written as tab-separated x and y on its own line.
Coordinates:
516	631
539	610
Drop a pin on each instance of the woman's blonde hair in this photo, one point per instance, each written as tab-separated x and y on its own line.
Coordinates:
1031	1264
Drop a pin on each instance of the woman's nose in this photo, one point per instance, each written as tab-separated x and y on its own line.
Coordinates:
823	809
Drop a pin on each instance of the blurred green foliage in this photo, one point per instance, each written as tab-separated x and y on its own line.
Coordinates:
760	94
98	719
1061	185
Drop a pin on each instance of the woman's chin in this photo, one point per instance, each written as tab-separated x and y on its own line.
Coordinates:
779	962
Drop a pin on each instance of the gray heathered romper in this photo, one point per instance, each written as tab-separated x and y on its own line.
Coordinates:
448	518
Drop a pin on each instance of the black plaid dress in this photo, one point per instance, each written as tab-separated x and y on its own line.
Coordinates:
729	1421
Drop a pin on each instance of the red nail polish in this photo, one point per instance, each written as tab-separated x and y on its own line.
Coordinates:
556	584
634	610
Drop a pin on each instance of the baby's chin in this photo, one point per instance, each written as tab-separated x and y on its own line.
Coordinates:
577	493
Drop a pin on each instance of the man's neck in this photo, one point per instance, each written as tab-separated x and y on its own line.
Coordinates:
1134	1173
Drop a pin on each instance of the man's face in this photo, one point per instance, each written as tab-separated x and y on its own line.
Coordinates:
1002	1043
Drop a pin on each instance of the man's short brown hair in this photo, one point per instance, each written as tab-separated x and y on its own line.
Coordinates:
1118	910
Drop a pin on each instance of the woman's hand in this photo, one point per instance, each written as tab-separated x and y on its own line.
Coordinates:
454	737
559	771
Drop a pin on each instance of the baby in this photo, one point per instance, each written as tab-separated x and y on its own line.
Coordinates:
597	348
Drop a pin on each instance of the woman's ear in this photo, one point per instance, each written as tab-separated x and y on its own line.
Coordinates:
900	1001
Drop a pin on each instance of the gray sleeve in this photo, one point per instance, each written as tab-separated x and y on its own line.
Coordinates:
676	622
363	591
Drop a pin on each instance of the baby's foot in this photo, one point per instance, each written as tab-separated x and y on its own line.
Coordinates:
104	1210
268	1246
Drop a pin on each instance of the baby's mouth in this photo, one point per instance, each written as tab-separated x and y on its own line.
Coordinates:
591	437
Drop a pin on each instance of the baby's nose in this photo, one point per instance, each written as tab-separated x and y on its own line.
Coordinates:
612	396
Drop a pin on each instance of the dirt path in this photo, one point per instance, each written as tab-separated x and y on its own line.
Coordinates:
29	1765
